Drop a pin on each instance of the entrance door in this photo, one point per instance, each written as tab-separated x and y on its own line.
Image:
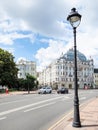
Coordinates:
70	86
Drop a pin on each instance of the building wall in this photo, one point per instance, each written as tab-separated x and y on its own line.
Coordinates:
61	73
26	67
96	78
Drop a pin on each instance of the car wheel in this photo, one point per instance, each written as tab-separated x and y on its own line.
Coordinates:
44	92
50	92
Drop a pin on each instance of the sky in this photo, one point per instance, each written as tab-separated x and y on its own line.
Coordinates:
38	30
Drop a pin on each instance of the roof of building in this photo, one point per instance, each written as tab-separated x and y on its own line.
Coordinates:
70	55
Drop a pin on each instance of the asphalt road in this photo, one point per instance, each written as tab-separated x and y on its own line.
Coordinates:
37	112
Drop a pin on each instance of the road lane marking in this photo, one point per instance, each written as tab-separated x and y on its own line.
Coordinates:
27	106
66	98
82	98
12	102
2	118
39	107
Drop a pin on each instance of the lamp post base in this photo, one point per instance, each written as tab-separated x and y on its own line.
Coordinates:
76	124
76	118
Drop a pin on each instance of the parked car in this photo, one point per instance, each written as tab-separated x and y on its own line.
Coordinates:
62	90
45	90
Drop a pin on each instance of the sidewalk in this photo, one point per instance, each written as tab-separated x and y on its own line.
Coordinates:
17	92
88	118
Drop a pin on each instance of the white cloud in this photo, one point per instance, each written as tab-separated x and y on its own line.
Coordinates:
8	39
88	44
10	31
38	15
48	18
54	51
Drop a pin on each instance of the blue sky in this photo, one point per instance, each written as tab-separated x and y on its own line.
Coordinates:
37	30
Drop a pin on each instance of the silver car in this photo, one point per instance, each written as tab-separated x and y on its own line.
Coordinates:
45	90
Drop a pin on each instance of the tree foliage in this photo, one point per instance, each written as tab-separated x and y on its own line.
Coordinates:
28	84
31	82
8	69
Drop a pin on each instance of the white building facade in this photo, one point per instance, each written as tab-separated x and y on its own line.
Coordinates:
61	71
26	67
96	78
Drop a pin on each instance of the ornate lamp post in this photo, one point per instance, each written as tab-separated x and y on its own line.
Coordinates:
75	18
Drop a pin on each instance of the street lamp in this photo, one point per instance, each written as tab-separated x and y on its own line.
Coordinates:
75	18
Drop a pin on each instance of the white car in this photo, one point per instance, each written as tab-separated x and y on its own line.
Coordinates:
45	90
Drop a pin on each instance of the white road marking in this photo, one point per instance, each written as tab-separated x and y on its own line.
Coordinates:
39	107
65	98
27	106
2	118
12	102
82	98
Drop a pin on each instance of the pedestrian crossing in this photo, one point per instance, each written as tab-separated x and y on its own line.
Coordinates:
66	97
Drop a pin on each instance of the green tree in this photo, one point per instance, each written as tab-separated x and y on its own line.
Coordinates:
8	69
21	84
30	82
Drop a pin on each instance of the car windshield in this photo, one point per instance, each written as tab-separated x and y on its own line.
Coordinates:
43	88
61	88
48	88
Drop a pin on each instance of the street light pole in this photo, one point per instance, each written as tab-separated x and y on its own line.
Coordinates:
74	18
76	121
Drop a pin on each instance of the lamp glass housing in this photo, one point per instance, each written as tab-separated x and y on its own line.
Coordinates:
74	18
75	21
